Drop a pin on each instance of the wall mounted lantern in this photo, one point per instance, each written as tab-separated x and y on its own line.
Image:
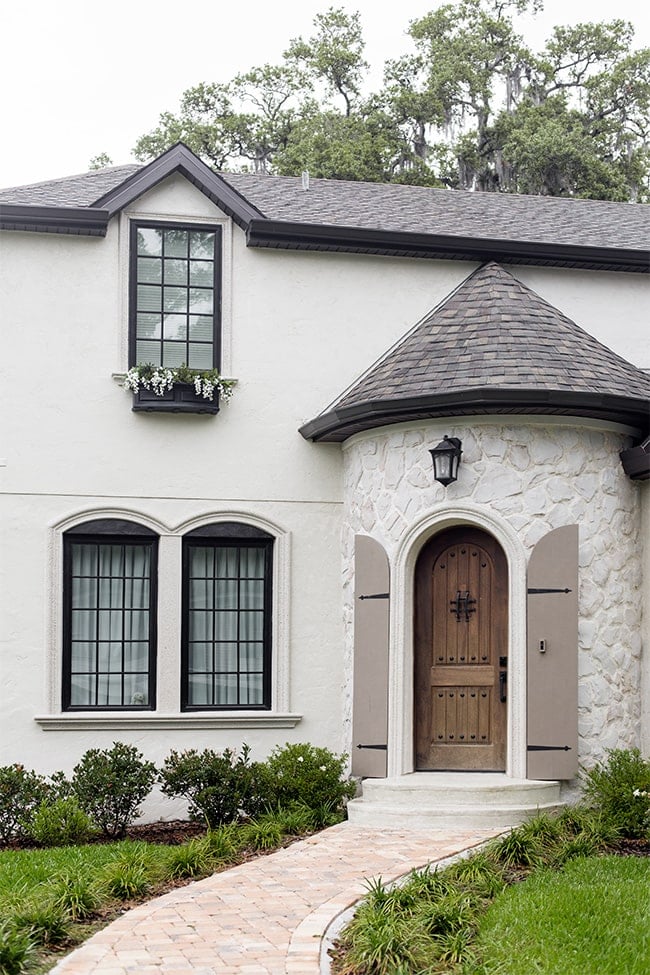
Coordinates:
446	458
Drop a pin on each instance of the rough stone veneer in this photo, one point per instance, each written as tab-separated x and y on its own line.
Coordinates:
537	478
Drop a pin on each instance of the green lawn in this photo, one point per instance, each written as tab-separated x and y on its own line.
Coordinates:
590	918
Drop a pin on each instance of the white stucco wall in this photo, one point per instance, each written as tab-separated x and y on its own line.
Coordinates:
528	477
299	327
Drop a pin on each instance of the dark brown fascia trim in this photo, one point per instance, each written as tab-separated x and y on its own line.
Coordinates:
180	159
83	221
337	425
289	235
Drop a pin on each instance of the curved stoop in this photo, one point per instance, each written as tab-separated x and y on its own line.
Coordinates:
451	800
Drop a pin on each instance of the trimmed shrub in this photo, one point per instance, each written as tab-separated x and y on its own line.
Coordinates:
60	822
21	792
616	789
217	785
311	776
110	784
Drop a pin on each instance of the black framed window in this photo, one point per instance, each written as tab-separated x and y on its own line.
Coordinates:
109	618
175	296
226	629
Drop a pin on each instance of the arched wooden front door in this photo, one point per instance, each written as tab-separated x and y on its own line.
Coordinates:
461	655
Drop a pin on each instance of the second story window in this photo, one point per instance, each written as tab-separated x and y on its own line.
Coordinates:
175	295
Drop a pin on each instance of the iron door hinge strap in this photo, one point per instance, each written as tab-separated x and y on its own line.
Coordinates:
377	595
549	748
380	748
534	592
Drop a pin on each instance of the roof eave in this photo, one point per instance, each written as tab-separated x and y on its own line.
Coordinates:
338	424
82	221
300	236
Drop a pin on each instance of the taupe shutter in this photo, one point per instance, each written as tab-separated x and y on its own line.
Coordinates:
553	656
370	692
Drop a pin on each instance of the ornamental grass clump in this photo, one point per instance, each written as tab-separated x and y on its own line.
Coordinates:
16	948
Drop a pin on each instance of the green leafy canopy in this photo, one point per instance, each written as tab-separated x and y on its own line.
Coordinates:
470	105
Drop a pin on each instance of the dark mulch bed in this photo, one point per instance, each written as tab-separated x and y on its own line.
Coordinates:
631	848
171	833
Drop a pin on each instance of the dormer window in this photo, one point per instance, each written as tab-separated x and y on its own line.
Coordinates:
175	295
175	299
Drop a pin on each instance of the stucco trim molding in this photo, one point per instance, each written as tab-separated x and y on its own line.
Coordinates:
154	722
400	701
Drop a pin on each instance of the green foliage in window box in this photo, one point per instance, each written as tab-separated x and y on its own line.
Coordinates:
110	784
162	379
21	792
619	788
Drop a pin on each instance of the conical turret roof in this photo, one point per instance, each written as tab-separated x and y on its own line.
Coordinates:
492	346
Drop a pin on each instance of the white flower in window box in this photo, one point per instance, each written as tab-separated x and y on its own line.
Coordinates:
177	389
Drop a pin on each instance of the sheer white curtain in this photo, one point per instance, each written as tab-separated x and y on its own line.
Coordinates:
226	625
110	624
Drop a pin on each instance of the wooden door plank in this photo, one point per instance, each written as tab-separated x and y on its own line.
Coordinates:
457	653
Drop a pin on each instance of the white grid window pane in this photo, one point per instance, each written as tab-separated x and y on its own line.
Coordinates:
200	660
200	689
82	691
250	688
149	241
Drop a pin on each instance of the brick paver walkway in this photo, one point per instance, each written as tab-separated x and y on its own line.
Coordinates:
265	917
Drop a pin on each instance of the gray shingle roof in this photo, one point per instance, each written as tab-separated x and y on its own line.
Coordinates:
491	339
70	191
418	209
391	208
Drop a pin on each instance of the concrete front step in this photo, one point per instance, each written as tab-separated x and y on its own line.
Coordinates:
448	799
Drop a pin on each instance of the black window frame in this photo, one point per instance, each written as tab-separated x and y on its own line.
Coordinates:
228	535
163	225
108	532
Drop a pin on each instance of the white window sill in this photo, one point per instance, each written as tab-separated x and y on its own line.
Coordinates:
119	721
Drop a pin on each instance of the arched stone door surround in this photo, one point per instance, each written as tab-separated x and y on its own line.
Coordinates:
401	756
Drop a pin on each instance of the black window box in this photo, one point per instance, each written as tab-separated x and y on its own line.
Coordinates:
182	398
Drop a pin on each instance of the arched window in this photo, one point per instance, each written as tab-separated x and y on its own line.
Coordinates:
226	625
109	616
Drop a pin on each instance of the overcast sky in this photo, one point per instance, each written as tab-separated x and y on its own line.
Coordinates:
78	78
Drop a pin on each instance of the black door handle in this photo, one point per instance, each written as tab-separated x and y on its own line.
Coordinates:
503	680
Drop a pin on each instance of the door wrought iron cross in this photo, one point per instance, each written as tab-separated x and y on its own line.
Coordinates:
462	605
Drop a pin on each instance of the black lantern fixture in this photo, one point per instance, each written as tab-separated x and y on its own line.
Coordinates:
446	458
